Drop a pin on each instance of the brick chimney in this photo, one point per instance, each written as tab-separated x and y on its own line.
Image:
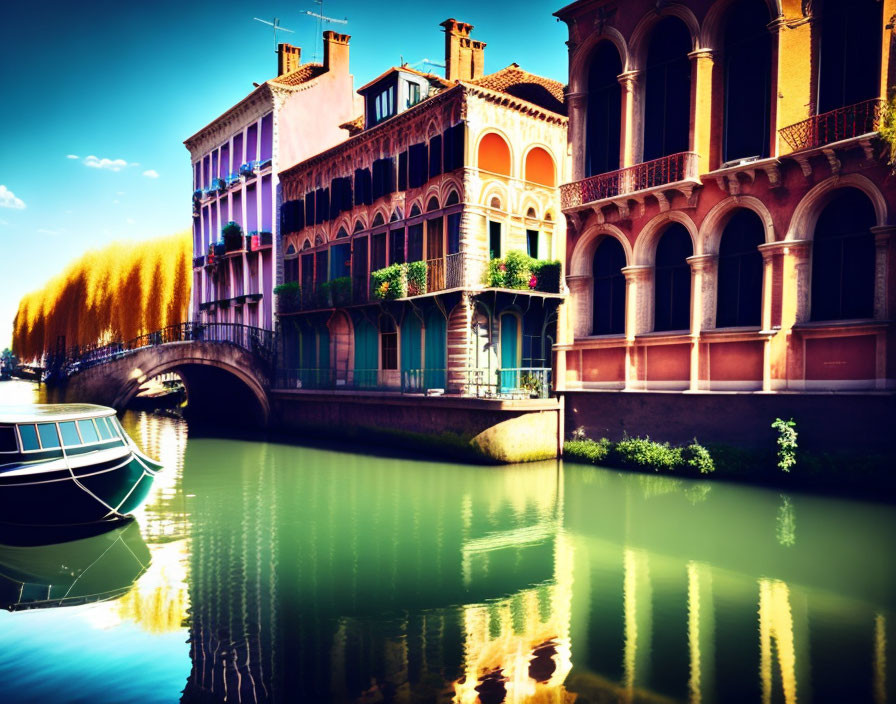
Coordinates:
289	58
336	52
464	57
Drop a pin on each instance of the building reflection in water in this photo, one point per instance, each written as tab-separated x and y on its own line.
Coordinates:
314	575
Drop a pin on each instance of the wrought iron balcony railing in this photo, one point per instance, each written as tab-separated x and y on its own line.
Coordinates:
829	127
640	177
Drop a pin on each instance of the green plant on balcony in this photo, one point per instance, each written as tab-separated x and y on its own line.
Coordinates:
531	382
887	131
391	282
289	296
416	278
513	271
232	234
547	275
336	292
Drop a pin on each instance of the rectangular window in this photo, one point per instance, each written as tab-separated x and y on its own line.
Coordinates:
363	187
48	436
224	172
197	176
532	243
205	167
384	104
88	431
454	233
237	153
413	94
340	260
8	439
378	251
417	165
320	266
29	437
309	209
494	239
252	142
290	270
214	231
267	136
389	342
251	208
267	207
237	213
215	164
403	171
206	224
396	246
69	433
415	242
435	156
106	432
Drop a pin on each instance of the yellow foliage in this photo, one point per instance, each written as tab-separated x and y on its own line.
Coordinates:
115	293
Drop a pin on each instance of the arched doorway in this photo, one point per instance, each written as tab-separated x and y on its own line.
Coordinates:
436	349
604	110
672	280
739	301
608	302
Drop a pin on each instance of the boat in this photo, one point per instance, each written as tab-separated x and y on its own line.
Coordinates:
81	571
68	465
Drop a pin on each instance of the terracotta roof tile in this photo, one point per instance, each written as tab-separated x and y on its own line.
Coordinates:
301	75
512	80
354	126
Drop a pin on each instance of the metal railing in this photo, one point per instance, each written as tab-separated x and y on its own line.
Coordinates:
258	341
516	383
829	127
650	174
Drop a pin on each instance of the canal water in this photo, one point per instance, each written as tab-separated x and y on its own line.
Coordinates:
269	572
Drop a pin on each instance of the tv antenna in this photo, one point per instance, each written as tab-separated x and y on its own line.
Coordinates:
425	62
321	18
276	25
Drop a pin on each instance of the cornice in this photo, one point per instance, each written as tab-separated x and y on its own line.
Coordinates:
251	107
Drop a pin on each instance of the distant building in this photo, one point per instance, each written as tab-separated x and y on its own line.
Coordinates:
236	159
416	253
731	208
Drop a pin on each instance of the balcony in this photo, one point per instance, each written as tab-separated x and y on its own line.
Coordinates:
318	295
198	262
233	179
260	240
676	172
835	126
248	169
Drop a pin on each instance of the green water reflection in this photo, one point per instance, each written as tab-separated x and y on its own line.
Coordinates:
304	574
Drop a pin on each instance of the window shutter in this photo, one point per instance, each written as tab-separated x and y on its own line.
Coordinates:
403	171
435	156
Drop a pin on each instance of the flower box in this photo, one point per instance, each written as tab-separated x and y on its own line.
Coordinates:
197	195
248	169
220	249
218	185
233	179
198	261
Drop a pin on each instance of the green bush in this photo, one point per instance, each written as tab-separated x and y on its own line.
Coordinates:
786	443
639	453
390	283
288	296
518	273
232	234
336	292
416	278
547	275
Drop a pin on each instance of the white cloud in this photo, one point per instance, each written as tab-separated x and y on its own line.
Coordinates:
131	221
119	193
115	202
72	156
108	164
151	173
8	199
50	232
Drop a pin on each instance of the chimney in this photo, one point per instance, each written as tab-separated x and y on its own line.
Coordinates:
289	58
336	52
464	57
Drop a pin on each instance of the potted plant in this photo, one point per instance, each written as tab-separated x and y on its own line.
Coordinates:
232	234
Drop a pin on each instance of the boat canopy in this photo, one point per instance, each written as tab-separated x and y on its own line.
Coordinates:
37	412
54	427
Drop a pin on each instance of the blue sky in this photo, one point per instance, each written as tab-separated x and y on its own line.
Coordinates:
98	98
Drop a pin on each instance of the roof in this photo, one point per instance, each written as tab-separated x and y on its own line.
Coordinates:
544	92
301	75
354	126
432	77
36	412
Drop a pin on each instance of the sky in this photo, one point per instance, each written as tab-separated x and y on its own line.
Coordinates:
98	97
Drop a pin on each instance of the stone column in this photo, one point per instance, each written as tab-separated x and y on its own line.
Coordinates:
575	105
701	106
703	269
580	295
638	315
771	253
631	124
883	236
797	293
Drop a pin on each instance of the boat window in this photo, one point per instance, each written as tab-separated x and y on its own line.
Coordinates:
8	439
48	435
117	424
106	433
69	433
29	437
88	432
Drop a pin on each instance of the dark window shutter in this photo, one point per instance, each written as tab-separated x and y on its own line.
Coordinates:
322	196
388	175
447	146
457	145
403	171
377	179
300	215
417	167
435	156
309	208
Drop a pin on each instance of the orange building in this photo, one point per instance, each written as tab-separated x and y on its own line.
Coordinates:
731	207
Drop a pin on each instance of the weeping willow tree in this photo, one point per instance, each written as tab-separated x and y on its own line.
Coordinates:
114	293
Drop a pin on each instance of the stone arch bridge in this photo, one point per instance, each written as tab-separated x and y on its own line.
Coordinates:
226	369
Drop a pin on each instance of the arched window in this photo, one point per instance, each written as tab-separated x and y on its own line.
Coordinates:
291	249
494	154
604	111
672	287
540	167
739	301
667	90
843	259
388	343
849	67
748	67
358	226
415	210
433	204
452	198
609	288
341	233
379	220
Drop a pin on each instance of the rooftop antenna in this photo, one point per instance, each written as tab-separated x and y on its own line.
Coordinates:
426	62
276	25
321	18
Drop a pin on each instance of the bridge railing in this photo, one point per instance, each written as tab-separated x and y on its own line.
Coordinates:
258	341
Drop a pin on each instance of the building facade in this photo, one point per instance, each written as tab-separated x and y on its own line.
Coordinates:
420	253
730	206
236	160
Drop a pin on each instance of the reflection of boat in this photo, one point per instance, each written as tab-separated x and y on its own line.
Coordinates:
97	568
68	464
